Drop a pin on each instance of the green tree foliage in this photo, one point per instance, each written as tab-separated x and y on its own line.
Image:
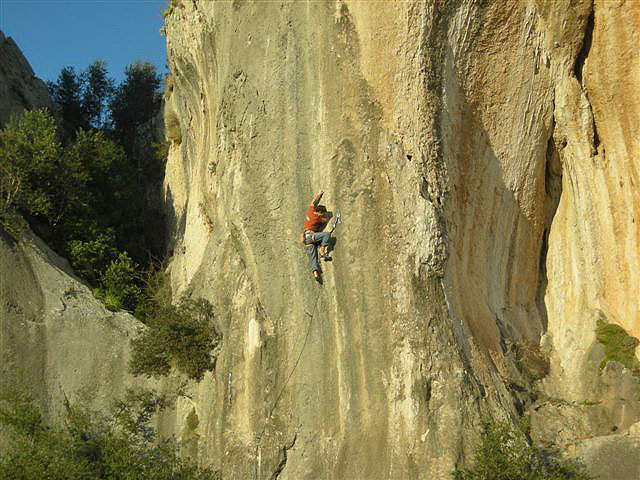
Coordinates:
30	161
73	190
134	106
66	94
107	187
82	99
135	103
121	444
92	257
180	335
96	95
119	284
504	453
129	187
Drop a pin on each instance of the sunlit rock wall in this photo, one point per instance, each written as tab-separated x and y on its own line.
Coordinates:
482	216
593	244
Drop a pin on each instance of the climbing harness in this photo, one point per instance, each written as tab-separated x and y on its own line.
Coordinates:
310	314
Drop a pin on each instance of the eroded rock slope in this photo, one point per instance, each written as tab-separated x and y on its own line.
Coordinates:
58	339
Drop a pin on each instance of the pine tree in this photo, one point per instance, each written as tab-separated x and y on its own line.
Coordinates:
97	92
66	94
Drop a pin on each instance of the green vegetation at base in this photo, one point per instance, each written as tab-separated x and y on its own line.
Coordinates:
618	345
89	445
505	453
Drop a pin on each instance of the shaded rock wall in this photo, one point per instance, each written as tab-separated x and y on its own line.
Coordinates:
19	88
58	338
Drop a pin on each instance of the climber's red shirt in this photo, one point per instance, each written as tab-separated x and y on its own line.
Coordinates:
314	221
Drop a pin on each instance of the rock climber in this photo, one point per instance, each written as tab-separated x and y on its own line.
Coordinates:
315	240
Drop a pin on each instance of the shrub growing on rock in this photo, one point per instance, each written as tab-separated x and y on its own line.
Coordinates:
504	453
618	345
181	336
92	257
119	284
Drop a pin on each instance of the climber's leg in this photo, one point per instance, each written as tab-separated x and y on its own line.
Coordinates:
312	252
324	239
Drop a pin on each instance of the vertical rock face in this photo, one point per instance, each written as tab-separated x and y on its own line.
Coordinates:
484	160
592	258
593	242
19	87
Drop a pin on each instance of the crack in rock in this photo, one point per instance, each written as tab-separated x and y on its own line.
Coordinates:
283	460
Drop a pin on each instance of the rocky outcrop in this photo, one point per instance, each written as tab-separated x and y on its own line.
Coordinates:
54	335
19	88
611	456
489	222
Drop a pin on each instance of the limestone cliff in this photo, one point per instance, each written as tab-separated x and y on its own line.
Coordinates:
19	87
484	158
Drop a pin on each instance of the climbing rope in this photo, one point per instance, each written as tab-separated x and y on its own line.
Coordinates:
295	365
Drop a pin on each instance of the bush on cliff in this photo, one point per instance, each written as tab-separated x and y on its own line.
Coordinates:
618	345
121	444
92	257
119	287
504	453
182	336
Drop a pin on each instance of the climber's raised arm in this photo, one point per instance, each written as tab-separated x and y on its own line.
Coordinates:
316	199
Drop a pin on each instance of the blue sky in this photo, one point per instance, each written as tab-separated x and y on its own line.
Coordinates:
57	33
